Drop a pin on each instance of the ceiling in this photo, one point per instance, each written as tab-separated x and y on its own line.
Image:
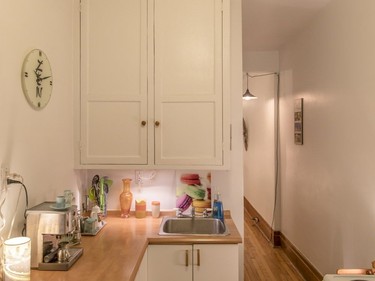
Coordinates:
268	24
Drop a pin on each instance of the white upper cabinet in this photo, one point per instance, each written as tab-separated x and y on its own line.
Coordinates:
188	82
154	83
113	82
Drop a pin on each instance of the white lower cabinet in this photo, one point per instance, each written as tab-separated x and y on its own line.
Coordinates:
198	262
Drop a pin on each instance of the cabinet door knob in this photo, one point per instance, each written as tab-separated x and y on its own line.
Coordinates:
143	123
157	123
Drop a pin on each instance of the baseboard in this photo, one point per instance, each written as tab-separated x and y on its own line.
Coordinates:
264	227
307	270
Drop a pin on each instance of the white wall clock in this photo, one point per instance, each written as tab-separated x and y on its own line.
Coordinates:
37	79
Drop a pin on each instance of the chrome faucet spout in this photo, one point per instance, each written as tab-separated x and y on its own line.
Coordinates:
179	213
192	212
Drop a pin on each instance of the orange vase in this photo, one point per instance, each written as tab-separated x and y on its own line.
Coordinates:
126	198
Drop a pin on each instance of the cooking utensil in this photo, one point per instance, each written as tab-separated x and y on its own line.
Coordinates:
51	256
94	190
63	254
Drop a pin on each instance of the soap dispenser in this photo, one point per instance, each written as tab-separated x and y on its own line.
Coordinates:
218	210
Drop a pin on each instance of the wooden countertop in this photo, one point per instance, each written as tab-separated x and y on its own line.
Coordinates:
116	252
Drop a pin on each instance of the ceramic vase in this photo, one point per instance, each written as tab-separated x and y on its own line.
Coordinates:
126	198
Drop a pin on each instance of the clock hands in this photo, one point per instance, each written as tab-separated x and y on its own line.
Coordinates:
38	72
39	89
40	79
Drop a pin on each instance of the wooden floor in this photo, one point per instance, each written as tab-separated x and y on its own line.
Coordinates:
262	261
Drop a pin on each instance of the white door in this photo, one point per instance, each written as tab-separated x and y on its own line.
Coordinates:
169	262
114	82
188	82
214	262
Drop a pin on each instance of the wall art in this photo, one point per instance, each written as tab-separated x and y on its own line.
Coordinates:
298	121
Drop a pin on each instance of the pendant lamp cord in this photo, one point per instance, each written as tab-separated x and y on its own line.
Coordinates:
277	153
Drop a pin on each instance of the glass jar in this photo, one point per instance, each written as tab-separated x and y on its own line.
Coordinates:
155	208
140	209
68	194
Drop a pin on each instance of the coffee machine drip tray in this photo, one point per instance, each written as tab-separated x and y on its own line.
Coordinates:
75	253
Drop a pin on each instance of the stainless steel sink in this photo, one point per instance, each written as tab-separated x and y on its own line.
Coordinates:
192	226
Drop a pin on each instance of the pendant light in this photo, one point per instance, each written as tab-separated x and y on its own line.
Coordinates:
247	95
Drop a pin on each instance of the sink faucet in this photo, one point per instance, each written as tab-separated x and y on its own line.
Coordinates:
179	213
206	212
192	214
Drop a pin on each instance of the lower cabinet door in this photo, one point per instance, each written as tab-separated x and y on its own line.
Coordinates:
142	271
198	262
213	262
169	263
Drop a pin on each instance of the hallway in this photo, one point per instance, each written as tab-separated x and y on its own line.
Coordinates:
262	261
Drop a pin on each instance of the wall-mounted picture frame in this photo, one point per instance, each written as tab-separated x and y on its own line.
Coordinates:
298	121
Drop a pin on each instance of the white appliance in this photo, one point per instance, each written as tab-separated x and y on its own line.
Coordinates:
335	277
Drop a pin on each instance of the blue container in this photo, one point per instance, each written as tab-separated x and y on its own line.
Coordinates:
218	209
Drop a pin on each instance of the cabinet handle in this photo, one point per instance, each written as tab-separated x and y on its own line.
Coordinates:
143	123
198	257
187	258
157	123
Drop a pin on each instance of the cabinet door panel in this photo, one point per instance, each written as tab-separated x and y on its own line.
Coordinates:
113	130
188	82
169	263
216	262
184	134
114	82
186	50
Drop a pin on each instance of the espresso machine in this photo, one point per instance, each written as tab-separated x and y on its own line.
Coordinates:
54	234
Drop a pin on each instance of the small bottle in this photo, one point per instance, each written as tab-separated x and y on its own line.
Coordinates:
218	210
155	208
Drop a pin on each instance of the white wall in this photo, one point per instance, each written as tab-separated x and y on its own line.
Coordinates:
328	184
259	116
260	62
37	144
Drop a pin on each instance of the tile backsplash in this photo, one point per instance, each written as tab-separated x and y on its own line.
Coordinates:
164	186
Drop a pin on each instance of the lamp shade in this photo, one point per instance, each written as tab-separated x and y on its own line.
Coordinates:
16	257
248	96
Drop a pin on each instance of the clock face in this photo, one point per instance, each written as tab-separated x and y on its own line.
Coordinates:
37	79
